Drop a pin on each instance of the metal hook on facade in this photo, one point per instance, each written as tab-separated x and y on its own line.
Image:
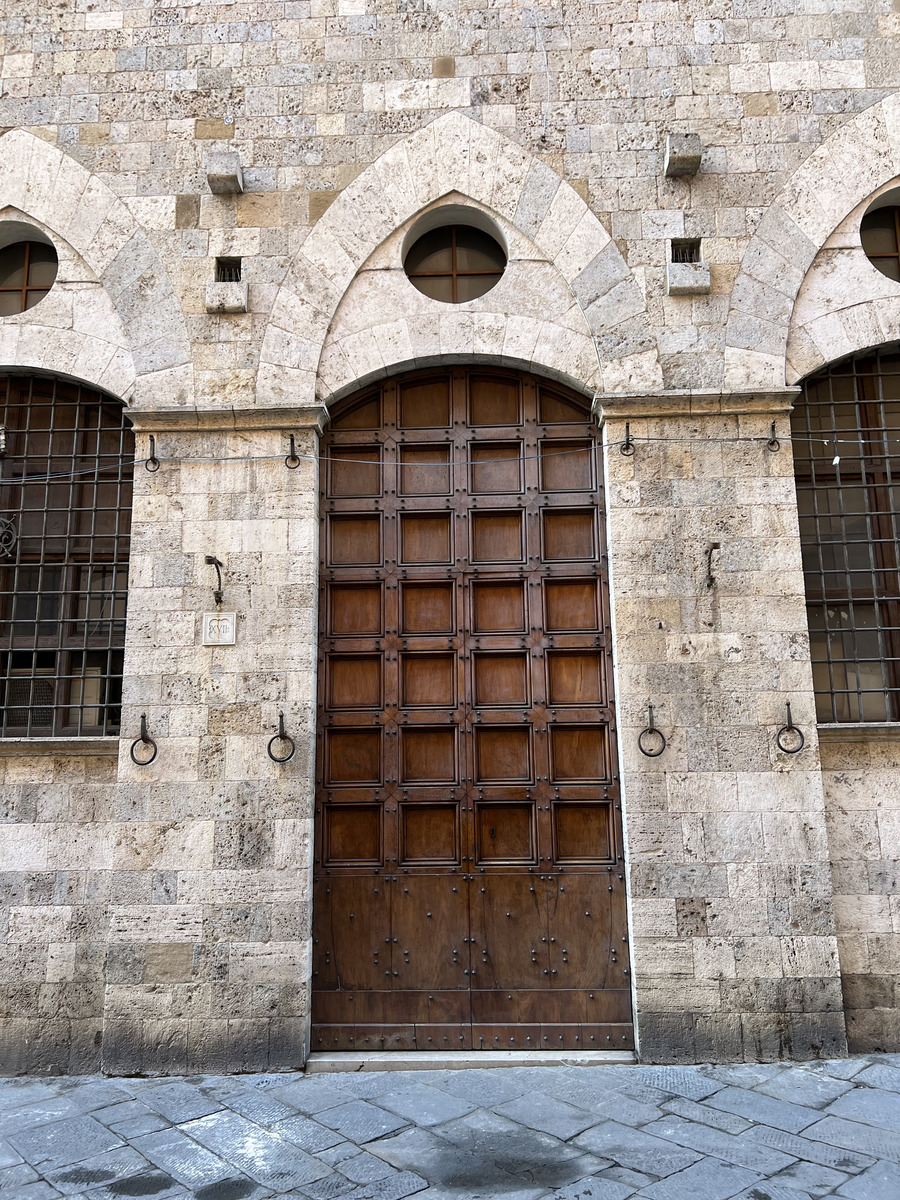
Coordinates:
281	736
218	594
795	735
292	462
651	732
152	462
773	443
627	447
146	740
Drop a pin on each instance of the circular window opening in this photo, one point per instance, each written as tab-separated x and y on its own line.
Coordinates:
880	234
455	263
27	272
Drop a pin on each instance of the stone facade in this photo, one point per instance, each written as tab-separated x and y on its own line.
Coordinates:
157	919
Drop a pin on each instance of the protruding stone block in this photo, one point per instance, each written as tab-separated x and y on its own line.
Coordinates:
224	173
683	154
227	297
687	279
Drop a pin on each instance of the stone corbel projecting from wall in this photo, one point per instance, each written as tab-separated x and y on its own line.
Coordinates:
81	214
455	156
857	161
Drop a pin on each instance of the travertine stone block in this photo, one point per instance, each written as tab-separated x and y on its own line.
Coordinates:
224	173
683	154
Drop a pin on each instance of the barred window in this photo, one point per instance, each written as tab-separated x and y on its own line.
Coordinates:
846	430
65	519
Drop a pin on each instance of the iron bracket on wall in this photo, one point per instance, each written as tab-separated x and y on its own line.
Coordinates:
146	740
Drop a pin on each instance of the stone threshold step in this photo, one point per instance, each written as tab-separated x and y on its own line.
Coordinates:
461	1060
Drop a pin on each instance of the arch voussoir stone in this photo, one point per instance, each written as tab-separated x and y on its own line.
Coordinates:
453	155
51	188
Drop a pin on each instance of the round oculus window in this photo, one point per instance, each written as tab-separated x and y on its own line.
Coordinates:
455	263
27	273
880	234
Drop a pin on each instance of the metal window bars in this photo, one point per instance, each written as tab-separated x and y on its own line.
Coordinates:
846	433
65	503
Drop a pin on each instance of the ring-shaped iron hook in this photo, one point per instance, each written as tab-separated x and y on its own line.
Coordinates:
146	740
652	732
281	736
790	728
627	447
292	462
151	463
773	443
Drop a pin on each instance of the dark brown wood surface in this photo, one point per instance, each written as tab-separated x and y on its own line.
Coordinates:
469	885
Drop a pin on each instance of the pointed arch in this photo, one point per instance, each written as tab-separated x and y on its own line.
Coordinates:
850	165
48	186
455	154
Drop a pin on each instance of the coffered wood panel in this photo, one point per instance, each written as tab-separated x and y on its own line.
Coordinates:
469	886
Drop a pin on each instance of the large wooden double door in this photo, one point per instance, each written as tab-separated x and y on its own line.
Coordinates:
469	885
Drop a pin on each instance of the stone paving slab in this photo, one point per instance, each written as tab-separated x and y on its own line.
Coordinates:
728	1132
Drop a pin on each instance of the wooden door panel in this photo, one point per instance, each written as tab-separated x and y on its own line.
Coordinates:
510	931
498	607
467	832
354	610
353	919
495	468
501	680
425	470
430	926
429	835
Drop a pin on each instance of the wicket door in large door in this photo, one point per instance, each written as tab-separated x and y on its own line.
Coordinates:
469	885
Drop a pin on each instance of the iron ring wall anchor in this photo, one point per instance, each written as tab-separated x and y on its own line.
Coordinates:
146	740
281	736
652	732
790	728
292	462
151	462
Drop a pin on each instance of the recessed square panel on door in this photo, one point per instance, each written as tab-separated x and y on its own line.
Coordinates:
353	834
354	540
571	605
425	470
427	680
495	468
567	466
494	401
498	607
554	409
503	753
574	679
505	833
354	471
353	756
578	753
426	608
429	833
425	538
354	681
501	680
354	611
497	537
365	415
425	405
583	832
427	754
569	535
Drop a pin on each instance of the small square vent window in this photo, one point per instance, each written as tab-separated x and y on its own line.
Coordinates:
685	250
228	270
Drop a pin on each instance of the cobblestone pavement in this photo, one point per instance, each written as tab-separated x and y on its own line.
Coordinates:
773	1132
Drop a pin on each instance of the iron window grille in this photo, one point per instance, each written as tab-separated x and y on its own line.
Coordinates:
65	523
846	431
685	250
228	270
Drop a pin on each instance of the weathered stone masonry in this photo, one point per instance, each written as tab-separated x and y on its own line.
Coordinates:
157	919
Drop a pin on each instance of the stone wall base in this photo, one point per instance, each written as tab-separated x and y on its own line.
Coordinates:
741	1037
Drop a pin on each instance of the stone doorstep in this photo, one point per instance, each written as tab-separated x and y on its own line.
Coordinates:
453	1060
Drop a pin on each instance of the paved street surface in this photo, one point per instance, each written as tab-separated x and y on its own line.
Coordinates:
519	1133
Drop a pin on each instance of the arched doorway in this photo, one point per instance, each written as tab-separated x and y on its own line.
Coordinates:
469	886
